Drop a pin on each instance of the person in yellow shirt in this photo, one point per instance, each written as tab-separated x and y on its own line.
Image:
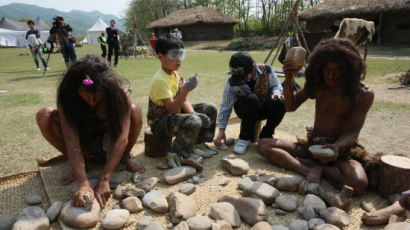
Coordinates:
169	111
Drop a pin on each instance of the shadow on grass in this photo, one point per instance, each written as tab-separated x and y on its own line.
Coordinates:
36	77
22	71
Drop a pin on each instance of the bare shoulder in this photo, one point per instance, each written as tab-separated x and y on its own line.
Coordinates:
366	96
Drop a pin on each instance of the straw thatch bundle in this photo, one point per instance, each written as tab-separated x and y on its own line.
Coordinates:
199	14
351	8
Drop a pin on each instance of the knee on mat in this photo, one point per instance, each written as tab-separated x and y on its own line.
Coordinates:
43	116
192	122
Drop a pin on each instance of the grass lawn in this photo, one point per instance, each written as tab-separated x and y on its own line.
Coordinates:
387	127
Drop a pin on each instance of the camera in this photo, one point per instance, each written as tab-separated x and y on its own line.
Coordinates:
58	20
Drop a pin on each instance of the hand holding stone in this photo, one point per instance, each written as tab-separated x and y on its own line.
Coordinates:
191	83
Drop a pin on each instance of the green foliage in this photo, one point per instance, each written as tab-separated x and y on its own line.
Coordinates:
246	45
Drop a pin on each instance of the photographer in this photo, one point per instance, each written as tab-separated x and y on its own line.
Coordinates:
113	43
61	34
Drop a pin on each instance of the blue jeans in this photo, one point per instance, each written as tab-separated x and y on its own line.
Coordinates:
38	52
68	53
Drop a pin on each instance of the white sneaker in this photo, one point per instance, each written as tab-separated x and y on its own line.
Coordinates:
48	68
38	69
240	146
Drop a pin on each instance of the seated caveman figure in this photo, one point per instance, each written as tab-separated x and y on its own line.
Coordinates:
170	113
333	79
94	122
255	93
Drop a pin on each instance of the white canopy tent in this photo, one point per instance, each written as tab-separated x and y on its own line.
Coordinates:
13	33
95	31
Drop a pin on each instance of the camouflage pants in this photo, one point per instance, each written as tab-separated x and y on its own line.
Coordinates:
186	128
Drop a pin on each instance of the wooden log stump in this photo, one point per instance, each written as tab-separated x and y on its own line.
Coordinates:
394	175
156	145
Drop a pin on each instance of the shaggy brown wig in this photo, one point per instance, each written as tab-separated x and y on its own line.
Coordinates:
343	52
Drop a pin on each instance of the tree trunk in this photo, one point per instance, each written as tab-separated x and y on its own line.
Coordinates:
156	145
394	174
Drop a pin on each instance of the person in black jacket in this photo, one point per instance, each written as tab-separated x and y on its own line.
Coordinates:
35	44
61	34
113	43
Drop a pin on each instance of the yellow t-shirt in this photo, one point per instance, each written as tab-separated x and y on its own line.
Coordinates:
163	86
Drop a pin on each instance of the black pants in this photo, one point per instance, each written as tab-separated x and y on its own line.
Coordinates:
104	51
250	111
116	48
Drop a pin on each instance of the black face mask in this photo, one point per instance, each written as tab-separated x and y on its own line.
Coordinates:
237	80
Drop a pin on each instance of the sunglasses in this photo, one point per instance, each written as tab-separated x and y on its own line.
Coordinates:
176	54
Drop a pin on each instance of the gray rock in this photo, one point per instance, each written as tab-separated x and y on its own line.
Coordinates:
224	181
196	179
244	182
115	219
270	220
33	199
221	225
137	178
313	188
268	179
162	165
298	224
119	192
120	177
187	188
251	210
315	202
156	201
330	227
262	191
154	225
176	175
286	202
307	213
398	226
116	206
280	212
182	226
261	226
54	210
181	207
148	184
315	222
6	222
288	183
78	217
137	192
32	218
335	216
225	211
199	223
132	204
235	166
170	226
143	223
279	227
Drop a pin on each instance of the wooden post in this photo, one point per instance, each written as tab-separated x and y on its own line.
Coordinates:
156	145
394	174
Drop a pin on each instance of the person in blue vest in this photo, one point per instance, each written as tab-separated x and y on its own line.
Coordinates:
113	43
103	44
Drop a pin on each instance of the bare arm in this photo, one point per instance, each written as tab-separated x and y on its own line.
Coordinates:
187	107
175	105
357	119
292	100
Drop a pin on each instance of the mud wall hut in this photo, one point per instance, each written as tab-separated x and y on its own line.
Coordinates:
198	23
391	17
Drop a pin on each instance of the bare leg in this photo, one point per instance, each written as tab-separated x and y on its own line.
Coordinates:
350	173
49	123
286	154
135	129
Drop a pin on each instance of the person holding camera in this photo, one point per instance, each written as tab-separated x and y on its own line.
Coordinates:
113	43
61	34
35	44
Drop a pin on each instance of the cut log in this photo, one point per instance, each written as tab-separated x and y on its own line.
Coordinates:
394	174
156	145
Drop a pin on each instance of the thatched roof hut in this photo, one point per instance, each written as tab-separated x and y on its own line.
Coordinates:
198	23
391	17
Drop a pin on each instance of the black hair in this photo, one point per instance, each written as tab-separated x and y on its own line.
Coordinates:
105	81
112	20
30	22
346	54
242	59
166	43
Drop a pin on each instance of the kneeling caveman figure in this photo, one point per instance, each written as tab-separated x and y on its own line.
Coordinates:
95	122
334	79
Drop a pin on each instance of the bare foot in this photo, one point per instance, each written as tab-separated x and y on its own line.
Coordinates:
313	175
67	179
131	166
